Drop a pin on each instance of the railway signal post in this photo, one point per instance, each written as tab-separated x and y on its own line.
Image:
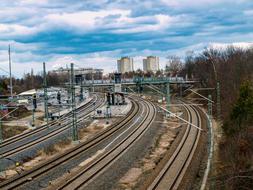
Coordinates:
45	92
73	103
33	109
81	89
59	105
167	98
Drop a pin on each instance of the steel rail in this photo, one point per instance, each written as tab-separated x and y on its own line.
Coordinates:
174	170
40	128
71	154
88	173
45	136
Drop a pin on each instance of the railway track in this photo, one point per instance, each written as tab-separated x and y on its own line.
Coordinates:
91	172
23	141
174	170
76	152
34	131
138	120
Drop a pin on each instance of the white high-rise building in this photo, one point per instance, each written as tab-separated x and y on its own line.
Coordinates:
125	64
151	63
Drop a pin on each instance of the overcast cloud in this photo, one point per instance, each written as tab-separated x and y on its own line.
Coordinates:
95	33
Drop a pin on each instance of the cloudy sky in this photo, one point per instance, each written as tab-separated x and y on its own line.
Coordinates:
94	33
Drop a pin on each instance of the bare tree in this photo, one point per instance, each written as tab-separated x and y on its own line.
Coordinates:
174	65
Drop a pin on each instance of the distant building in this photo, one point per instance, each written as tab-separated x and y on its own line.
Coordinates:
84	73
125	64
151	63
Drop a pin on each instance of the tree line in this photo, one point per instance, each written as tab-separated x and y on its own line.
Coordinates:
31	81
233	68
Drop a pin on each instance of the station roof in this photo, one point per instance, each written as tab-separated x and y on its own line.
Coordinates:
28	92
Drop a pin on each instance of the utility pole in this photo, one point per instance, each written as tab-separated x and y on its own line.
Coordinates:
34	103
168	97
108	105
59	105
81	89
94	109
33	119
10	70
45	92
181	89
108	113
210	142
92	77
139	86
1	135
1	140
209	110
73	102
218	101
69	87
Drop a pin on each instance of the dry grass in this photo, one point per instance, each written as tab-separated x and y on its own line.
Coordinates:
234	169
87	132
55	148
9	131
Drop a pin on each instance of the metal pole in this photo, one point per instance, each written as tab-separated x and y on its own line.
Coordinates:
1	135
94	109
218	106
168	97
59	113
209	110
73	102
210	148
69	88
181	89
218	101
81	86
1	140
10	71
210	142
33	121
92	75
45	93
210	106
107	113
59	110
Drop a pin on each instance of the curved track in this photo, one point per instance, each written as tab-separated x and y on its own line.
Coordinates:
38	129
90	172
62	159
26	140
174	170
